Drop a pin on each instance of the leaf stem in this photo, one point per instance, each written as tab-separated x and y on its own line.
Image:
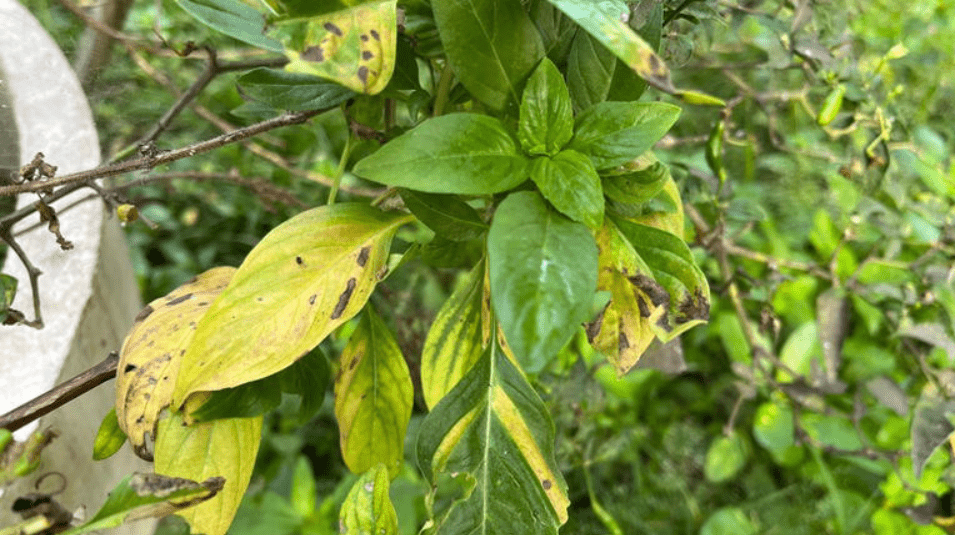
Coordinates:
342	162
444	89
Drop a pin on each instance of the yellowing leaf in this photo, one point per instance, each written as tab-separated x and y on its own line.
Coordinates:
354	47
373	397
456	338
491	440
220	448
150	357
367	508
304	279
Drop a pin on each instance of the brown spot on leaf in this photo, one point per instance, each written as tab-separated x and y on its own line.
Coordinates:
363	256
367	55
144	313
657	294
313	53
374	33
593	328
343	299
363	74
642	305
332	28
364	37
656	66
179	299
546	484
622	342
696	307
354	362
311	300
299	261
129	368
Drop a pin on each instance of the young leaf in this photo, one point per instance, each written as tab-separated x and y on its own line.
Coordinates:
492	45
152	353
368	509
570	182
455	340
447	215
613	133
221	448
493	435
373	397
291	91
546	119
354	47
636	182
141	496
304	496
543	271
462	153
109	438
232	18
304	279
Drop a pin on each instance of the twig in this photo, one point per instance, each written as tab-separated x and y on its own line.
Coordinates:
61	394
33	273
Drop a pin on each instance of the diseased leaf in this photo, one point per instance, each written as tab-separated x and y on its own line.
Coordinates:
492	45
448	216
354	47
232	18
373	397
109	437
462	153
367	508
141	496
664	211
491	441
546	119
614	133
455	340
570	182
221	448
150	359
304	279
543	271
933	422
291	91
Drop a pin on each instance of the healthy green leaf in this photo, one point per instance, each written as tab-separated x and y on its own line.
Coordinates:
456	338
232	18
221	448
373	397
447	215
463	153
728	521
367	509
492	45
141	496
570	182
546	119
492	435
304	496
109	438
326	260
557	31
590	70
636	182
291	91
613	133
543	274
725	457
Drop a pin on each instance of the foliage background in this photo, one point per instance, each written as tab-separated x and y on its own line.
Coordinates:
807	222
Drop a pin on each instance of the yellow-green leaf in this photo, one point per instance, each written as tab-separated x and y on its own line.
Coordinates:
490	441
456	338
373	397
367	509
354	47
220	448
304	279
109	438
150	358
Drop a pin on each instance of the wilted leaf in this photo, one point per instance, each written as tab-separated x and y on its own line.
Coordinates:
152	353
109	437
492	436
221	448
304	279
367	508
373	397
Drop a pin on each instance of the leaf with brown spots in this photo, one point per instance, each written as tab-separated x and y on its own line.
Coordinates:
297	285
150	357
355	47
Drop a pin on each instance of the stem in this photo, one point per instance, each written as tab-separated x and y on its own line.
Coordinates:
444	89
342	162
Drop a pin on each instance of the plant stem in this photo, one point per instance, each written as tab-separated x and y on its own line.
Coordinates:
342	162
444	89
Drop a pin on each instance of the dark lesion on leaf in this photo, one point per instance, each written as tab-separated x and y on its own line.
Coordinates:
695	307
144	313
354	362
367	55
344	298
180	299
593	328
311	299
313	53
129	368
657	293
363	256
622	342
374	33
363	74
299	261
333	28
546	483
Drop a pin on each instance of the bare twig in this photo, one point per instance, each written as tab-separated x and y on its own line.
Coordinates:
33	273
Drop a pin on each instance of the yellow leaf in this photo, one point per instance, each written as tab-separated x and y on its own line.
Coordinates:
224	448
152	351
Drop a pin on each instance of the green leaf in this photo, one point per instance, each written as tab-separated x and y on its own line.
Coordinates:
636	182
304	279
725	457
355	47
543	273
546	119
590	70
557	31
109	438
493	436
304	496
774	429
932	425
291	91
308	379
232	18
368	509
373	397
8	289
141	496
455	340
570	182
613	133
447	215
221	448
492	45
462	153
728	521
